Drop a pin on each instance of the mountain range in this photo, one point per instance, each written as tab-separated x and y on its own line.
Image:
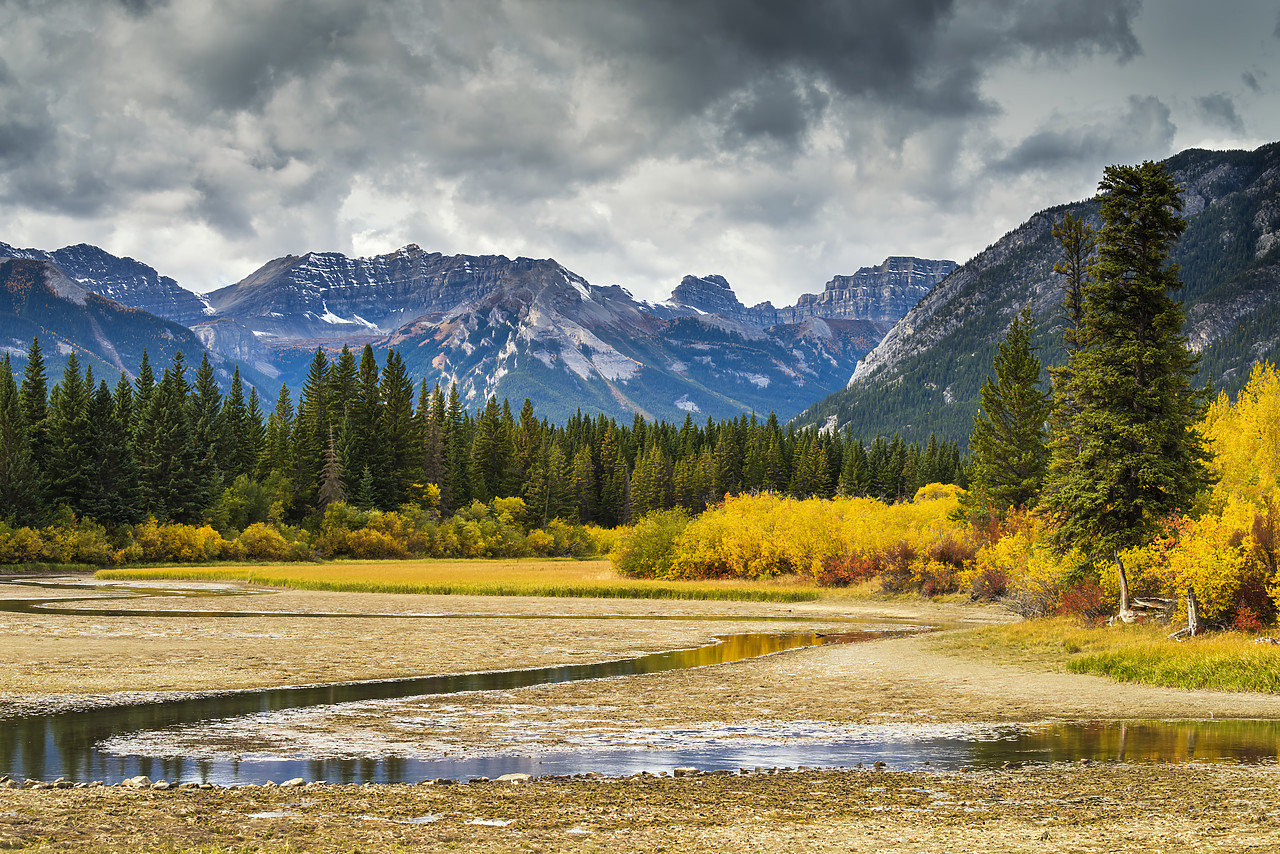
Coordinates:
513	328
926	374
900	347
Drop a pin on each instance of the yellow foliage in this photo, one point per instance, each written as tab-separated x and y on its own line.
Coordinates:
1034	574
1244	436
767	535
181	543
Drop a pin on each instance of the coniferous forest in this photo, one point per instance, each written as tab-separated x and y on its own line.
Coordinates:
171	454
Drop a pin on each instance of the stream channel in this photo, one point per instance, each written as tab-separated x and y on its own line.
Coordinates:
95	744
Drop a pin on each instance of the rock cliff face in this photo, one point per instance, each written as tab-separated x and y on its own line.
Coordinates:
879	294
326	294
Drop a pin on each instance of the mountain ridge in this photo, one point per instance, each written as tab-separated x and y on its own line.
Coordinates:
925	374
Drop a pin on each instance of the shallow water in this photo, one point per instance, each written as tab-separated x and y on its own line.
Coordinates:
98	744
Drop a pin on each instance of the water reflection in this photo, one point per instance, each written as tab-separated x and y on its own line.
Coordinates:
1142	741
67	744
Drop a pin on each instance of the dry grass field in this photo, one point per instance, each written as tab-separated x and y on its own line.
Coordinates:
526	577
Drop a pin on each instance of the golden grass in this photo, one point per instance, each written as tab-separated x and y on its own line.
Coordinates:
561	578
1224	661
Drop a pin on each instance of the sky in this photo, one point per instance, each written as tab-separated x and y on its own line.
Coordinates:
775	142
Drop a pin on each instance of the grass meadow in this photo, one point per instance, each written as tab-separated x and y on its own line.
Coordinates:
1223	661
526	577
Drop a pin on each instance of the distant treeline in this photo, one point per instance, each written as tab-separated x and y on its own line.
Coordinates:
177	449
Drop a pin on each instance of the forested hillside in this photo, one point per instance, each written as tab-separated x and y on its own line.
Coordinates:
172	447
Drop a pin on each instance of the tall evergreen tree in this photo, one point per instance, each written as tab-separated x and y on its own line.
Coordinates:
169	487
71	455
237	455
1077	241
1140	454
311	431
19	479
144	384
332	489
34	393
457	487
400	434
112	497
277	441
208	428
1008	446
433	469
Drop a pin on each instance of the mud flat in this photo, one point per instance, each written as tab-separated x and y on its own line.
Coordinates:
1174	808
54	660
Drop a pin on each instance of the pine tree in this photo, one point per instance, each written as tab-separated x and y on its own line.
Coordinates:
400	436
168	485
457	487
488	460
585	487
433	469
277	441
1140	454
651	483
613	469
34	394
332	489
71	455
208	429
311	431
237	456
1077	241
853	470
1008	445
113	497
19	480
144	384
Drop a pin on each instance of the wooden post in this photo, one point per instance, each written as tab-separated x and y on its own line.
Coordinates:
1126	614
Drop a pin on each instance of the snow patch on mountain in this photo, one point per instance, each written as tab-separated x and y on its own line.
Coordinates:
683	402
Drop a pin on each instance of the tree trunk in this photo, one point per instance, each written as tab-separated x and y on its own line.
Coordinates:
1193	616
1126	614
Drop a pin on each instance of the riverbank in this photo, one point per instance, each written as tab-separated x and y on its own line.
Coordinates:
1114	807
52	660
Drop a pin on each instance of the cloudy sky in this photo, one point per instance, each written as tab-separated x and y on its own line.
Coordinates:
776	142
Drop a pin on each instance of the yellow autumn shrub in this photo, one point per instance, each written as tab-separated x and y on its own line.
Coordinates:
1244	436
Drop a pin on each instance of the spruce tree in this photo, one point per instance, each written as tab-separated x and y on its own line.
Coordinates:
71	455
399	434
34	394
170	489
277	441
112	498
1139	452
1008	445
208	429
311	431
19	480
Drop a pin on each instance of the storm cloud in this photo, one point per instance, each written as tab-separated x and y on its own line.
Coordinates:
775	142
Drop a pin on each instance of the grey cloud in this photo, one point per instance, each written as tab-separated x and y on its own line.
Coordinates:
1251	80
1219	109
1144	129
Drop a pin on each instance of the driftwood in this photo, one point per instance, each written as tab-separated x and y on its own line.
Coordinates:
1193	618
1126	614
